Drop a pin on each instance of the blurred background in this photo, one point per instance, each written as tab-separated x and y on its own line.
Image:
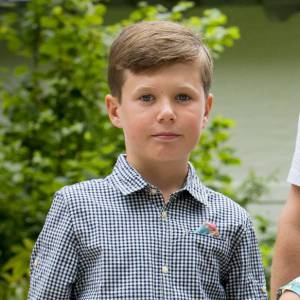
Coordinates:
256	86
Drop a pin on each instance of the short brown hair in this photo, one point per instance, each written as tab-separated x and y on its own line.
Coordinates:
149	45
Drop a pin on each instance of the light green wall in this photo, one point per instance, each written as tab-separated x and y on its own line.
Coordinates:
257	83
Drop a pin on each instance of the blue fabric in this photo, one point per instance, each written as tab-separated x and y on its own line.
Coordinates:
115	238
292	286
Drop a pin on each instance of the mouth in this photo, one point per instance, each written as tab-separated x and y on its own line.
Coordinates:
166	136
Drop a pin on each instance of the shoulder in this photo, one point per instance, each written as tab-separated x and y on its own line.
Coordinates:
86	202
86	191
227	209
87	186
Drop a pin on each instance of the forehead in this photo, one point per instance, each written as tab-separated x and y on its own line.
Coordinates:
169	74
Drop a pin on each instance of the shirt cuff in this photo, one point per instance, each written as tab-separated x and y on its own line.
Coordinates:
294	173
293	286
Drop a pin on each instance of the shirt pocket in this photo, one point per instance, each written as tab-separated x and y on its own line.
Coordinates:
211	250
206	255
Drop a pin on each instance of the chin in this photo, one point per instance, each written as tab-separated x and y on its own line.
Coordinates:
168	157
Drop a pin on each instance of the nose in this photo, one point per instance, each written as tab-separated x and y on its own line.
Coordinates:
166	112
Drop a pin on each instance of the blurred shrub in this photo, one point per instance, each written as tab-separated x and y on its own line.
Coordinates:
54	130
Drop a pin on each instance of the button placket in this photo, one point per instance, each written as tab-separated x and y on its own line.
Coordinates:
166	236
166	243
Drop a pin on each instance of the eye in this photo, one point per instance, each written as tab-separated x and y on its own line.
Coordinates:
146	98
183	97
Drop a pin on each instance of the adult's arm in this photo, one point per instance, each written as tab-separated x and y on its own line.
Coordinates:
286	259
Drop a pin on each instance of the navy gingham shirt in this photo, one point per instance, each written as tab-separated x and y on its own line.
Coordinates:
115	238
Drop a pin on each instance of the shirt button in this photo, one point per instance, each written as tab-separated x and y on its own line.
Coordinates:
36	262
165	269
164	215
263	290
153	191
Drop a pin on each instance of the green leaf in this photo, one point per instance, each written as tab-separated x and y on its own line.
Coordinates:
20	70
48	22
57	10
182	6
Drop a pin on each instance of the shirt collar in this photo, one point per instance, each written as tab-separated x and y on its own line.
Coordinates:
195	187
128	180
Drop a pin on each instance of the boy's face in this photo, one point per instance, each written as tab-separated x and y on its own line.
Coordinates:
162	113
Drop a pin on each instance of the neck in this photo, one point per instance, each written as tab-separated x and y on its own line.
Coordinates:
168	177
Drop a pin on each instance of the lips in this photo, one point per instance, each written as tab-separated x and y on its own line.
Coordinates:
166	135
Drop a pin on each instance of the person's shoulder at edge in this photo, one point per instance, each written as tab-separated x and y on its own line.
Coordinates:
227	207
81	191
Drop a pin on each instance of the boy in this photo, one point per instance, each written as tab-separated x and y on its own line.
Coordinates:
286	261
150	230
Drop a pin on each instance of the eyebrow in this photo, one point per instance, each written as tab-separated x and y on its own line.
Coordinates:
143	88
149	87
189	87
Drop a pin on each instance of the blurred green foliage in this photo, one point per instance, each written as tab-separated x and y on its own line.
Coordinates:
54	130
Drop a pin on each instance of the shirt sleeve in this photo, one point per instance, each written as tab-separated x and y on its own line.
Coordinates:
294	173
54	258
246	279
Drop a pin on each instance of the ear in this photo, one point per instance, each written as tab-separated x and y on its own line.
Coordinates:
113	110
208	106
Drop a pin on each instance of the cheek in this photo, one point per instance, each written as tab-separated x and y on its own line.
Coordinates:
194	128
134	130
194	122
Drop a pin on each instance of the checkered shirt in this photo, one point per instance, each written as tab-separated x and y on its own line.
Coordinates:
115	238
